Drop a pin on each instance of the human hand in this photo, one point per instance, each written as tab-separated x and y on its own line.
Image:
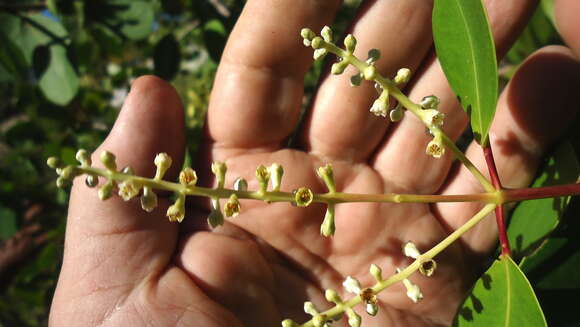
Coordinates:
125	267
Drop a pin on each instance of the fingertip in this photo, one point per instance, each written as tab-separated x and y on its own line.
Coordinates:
542	95
151	121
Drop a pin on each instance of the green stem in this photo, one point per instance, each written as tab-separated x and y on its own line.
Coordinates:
328	198
405	273
396	93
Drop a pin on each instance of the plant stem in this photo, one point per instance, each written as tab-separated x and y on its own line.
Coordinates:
499	210
338	310
328	198
515	195
396	93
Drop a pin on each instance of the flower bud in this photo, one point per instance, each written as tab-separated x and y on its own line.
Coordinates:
83	157
410	250
91	180
162	162
317	43
232	207
54	163
326	33
68	172
307	34
188	177
396	114
350	43
319	321
106	190
108	160
354	319
62	182
240	184
215	218
219	169
355	80
339	67
276	172
303	197
325	172
319	53
332	296
263	177
376	272
373	56
413	291
430	102
289	323
352	285
148	199
176	212
403	76
327	228
370	72
310	309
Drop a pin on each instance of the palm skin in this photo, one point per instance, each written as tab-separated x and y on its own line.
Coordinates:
125	267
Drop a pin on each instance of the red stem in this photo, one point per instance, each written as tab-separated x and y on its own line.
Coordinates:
499	212
540	192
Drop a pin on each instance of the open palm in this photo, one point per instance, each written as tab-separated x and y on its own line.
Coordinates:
124	267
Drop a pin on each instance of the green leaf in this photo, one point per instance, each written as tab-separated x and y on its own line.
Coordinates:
58	80
167	57
548	8
8	226
132	18
533	220
501	297
466	51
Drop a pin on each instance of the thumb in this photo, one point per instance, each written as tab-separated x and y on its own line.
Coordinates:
113	238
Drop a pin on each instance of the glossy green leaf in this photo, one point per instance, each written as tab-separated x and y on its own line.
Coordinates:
57	78
532	221
8	225
466	51
501	297
134	18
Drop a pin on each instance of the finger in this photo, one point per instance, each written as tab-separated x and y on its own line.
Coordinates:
258	89
106	237
406	146
339	125
567	22
533	111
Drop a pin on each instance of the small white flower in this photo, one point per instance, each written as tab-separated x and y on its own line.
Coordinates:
380	108
435	148
352	285
433	117
128	189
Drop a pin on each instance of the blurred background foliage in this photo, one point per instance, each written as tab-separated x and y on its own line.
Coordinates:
65	69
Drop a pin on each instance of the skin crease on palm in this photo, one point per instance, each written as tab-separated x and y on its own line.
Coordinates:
125	267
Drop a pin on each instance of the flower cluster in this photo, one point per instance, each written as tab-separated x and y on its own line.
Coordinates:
427	110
